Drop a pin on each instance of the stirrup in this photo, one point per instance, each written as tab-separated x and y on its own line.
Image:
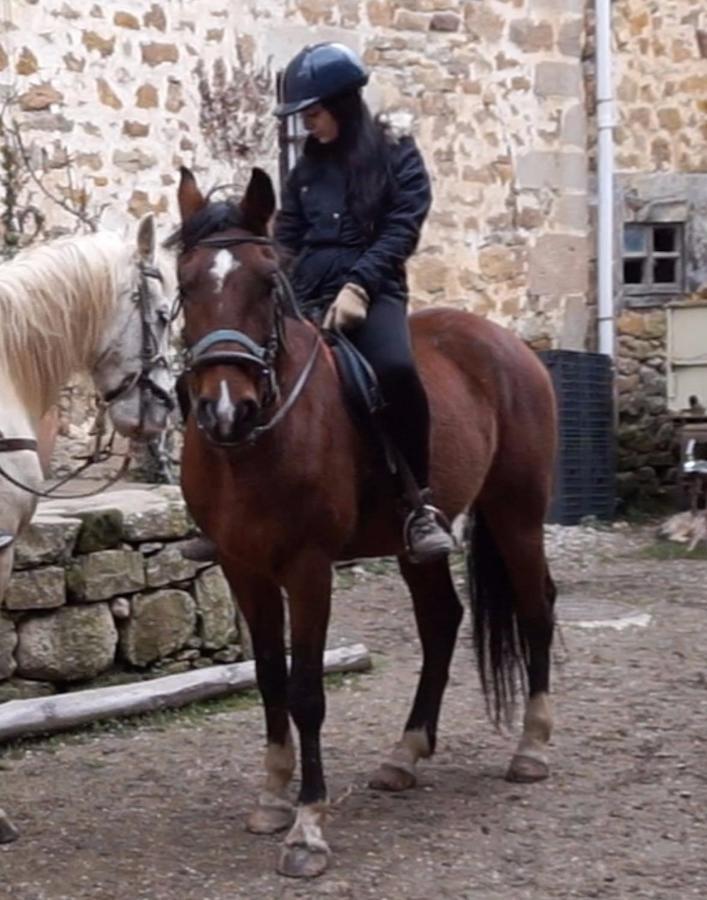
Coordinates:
442	522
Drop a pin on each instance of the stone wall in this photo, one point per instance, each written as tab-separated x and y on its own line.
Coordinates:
100	588
661	85
660	70
127	91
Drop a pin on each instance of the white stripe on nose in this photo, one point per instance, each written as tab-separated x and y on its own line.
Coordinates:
224	263
225	409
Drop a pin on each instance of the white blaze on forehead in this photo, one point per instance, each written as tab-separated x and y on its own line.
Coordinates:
224	263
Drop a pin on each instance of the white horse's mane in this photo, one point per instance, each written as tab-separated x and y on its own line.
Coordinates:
55	302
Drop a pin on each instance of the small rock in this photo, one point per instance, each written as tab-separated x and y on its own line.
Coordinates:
120	607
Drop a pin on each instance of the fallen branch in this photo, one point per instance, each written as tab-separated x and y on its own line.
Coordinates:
44	715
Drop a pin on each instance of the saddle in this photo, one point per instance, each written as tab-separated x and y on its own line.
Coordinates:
358	380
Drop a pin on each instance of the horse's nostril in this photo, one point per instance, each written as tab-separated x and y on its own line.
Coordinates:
247	410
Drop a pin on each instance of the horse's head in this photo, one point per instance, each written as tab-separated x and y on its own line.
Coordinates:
226	273
131	372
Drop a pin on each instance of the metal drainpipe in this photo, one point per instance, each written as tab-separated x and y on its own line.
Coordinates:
605	178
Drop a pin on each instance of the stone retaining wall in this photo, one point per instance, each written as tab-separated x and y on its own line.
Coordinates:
100	587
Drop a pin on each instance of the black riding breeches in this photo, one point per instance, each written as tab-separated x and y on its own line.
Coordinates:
384	339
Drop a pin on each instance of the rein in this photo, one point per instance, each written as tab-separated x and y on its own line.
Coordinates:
150	358
262	356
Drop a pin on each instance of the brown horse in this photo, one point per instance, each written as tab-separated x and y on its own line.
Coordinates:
277	474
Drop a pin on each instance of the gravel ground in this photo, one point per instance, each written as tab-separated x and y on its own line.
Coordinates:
157	812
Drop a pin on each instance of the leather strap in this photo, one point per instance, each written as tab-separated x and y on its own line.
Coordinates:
10	445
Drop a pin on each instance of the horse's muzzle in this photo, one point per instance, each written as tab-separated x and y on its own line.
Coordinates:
227	428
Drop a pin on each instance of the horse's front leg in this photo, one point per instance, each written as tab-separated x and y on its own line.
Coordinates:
260	601
308	585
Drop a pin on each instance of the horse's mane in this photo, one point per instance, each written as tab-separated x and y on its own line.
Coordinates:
54	303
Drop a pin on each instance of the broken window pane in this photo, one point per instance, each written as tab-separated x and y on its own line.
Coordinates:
665	239
664	271
633	271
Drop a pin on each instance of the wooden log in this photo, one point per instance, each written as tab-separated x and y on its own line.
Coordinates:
44	715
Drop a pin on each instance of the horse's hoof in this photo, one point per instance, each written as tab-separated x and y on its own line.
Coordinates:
270	819
8	832
300	861
526	769
392	778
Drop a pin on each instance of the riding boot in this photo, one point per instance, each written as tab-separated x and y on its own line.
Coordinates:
427	533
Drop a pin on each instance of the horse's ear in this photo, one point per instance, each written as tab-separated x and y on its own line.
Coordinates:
147	238
190	198
258	203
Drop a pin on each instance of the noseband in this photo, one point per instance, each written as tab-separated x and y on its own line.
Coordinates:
262	356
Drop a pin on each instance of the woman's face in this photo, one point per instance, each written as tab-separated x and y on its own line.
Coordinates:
320	123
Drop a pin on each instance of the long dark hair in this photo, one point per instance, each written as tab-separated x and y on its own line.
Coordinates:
363	145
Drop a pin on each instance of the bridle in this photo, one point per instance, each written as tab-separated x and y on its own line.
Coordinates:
150	356
263	357
150	360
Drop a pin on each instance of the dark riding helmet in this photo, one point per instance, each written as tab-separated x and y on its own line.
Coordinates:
319	72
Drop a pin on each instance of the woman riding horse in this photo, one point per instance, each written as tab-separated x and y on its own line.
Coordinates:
352	210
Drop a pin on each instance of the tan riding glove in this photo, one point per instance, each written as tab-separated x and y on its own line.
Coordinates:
348	309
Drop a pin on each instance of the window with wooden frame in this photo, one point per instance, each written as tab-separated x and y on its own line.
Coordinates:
653	259
291	138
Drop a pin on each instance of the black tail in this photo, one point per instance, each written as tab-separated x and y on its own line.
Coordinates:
501	652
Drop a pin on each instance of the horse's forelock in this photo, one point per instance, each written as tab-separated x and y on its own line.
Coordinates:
212	219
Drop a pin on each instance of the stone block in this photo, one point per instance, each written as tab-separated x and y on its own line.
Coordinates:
558	79
47	539
168	566
134	160
71	644
74	63
405	20
43	588
159	514
126	20
500	263
106	574
156	53
24	689
531	36
107	95
146	96
559	265
482	23
575	324
8	642
550	169
569	37
39	97
94	41
101	529
217	612
26	62
574	126
572	212
160	624
445	21
155	17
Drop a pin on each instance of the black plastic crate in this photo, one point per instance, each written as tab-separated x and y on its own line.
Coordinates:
585	472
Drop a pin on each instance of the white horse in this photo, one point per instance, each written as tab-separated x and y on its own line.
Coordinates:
93	303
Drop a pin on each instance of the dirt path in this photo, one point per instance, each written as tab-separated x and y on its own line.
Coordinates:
157	813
